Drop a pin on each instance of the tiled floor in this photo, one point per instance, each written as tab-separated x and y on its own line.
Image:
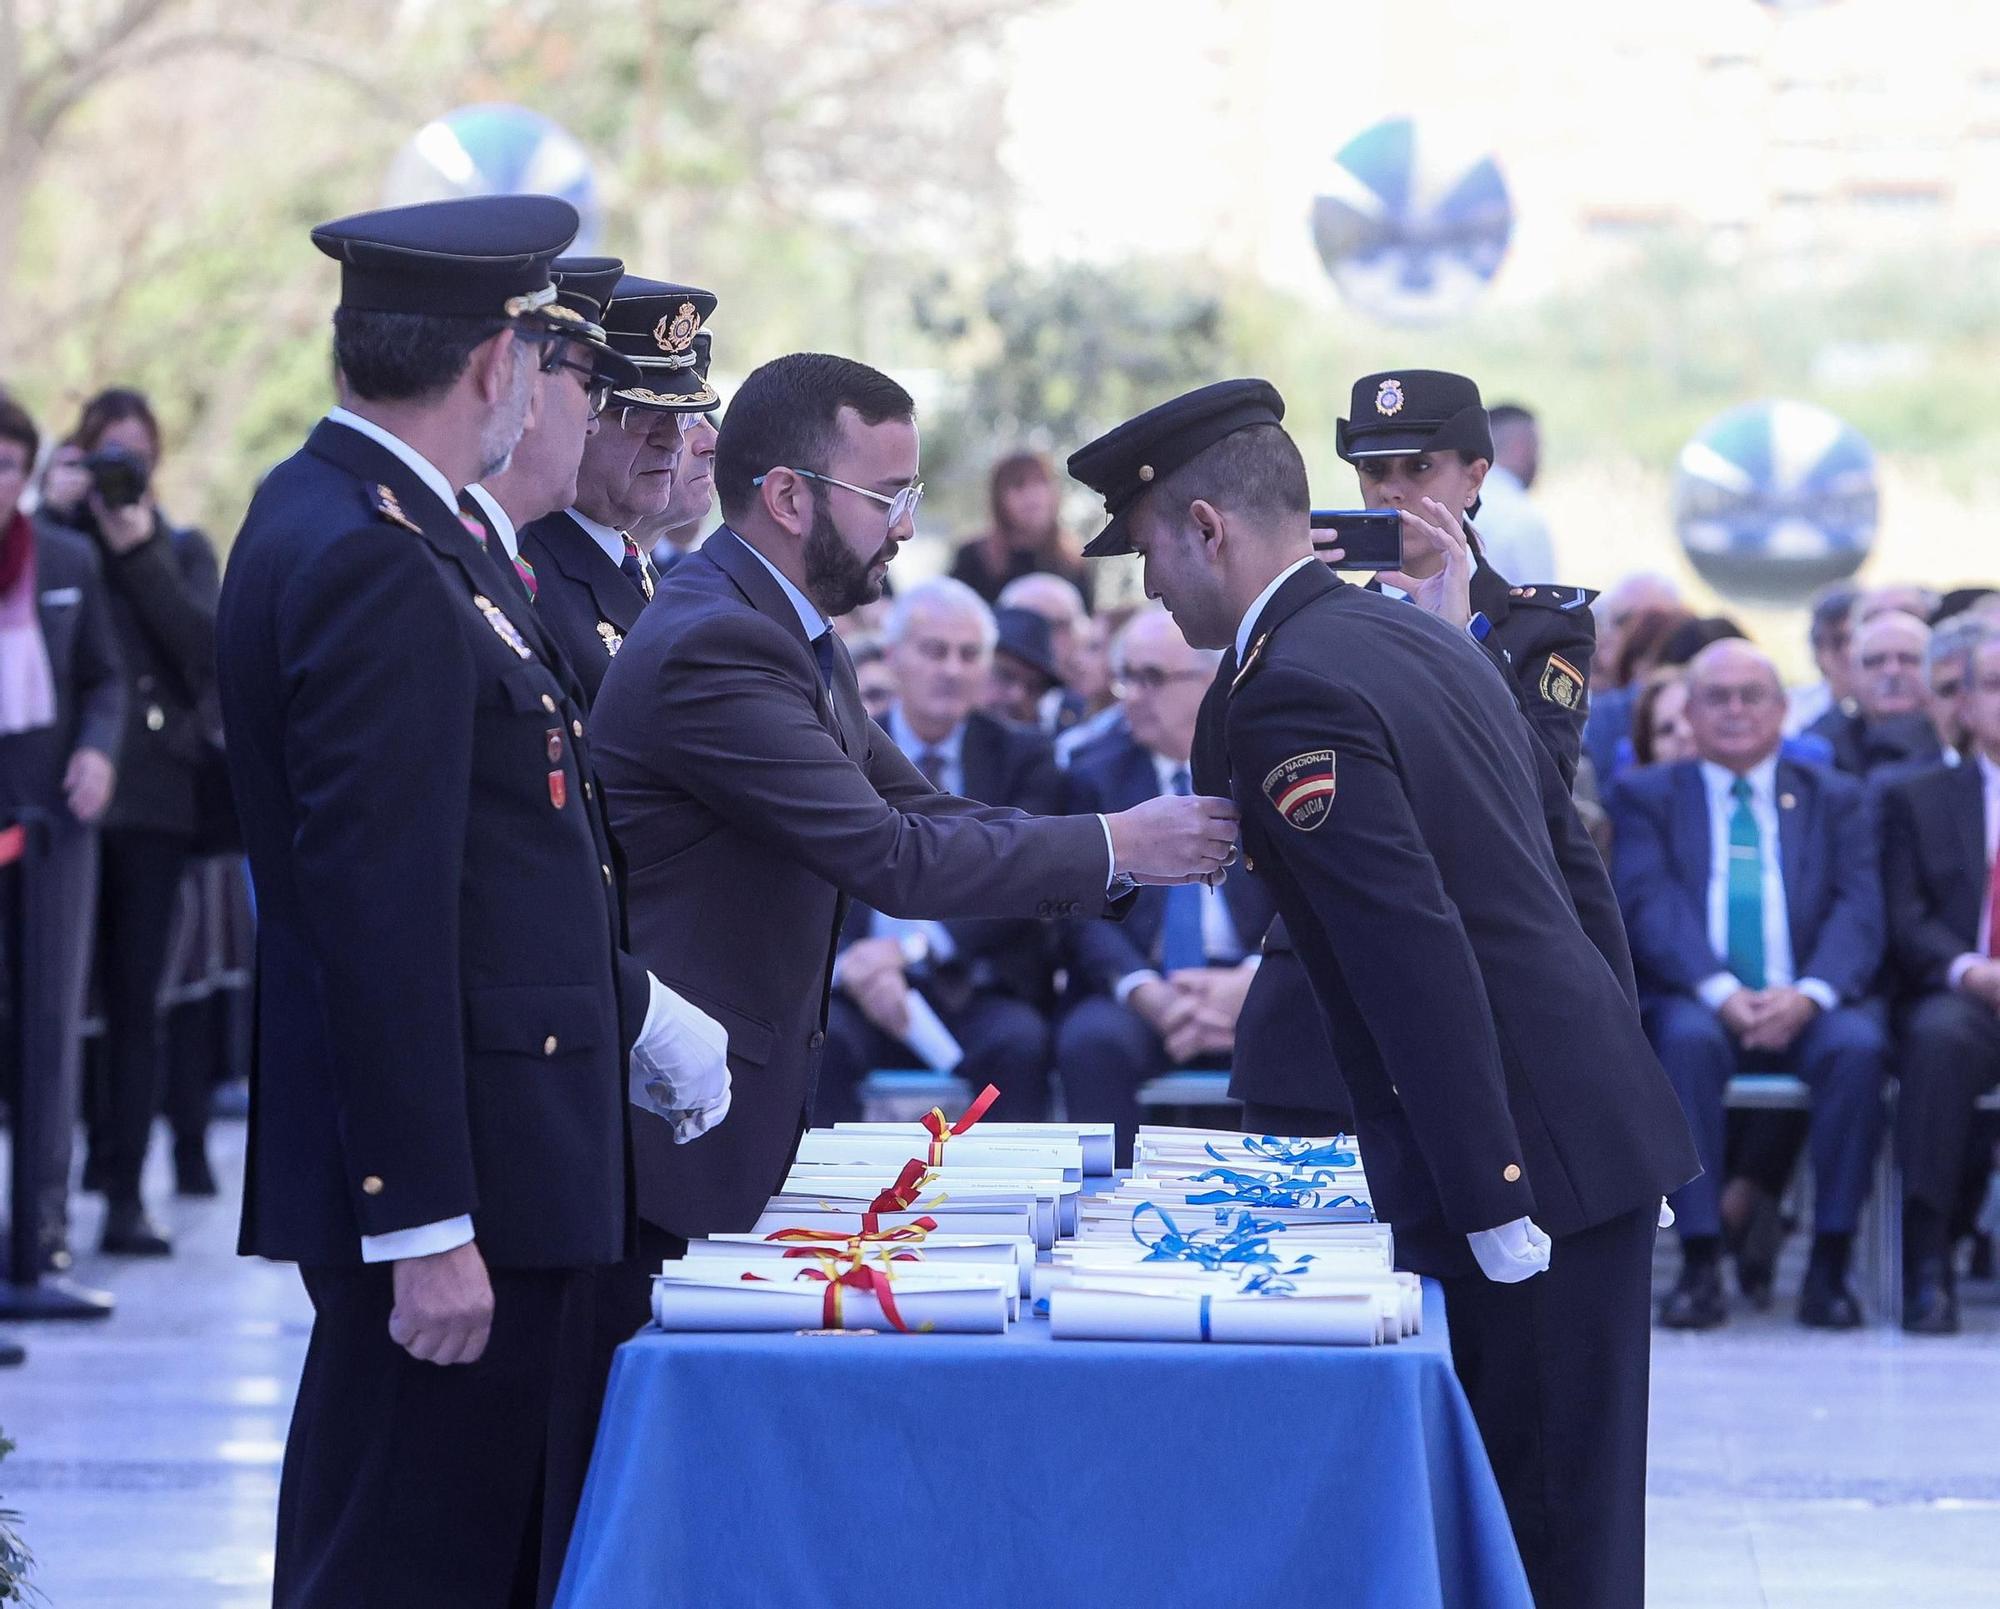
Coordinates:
1790	1471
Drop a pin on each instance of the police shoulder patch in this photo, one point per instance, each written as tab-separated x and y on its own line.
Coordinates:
1562	684
1301	788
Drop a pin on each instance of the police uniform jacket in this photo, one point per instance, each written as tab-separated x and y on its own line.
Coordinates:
586	602
753	801
1423	852
440	981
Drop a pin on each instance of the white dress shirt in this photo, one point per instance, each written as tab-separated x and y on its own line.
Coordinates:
1257	604
1989	787
497	517
607	537
950	779
1719	783
416	462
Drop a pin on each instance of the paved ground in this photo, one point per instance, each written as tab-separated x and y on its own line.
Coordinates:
1790	1470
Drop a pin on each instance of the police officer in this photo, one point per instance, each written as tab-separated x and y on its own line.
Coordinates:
592	575
438	1110
1517	1132
1421	443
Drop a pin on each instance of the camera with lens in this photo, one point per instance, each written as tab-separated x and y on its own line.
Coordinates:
118	476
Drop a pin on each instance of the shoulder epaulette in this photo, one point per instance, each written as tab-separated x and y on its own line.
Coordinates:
388	507
1553	597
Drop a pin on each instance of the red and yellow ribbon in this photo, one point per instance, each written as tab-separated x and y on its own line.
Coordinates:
899	1197
933	1120
815	1242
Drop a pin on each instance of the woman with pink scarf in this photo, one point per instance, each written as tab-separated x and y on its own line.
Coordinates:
62	711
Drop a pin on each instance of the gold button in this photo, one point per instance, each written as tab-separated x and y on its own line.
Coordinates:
371	1186
548	703
576	728
1249	863
1511	1173
549	1045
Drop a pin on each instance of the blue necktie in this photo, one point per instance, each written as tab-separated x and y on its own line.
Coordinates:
823	652
1746	890
1181	941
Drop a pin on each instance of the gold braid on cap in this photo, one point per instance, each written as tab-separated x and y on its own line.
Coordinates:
693	402
533	302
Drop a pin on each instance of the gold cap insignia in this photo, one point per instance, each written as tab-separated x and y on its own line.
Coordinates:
675	335
1389	398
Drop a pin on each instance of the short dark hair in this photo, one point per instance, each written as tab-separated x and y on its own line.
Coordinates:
1690	637
405	357
17	425
113	406
1258	472
1508	413
1831	606
787	414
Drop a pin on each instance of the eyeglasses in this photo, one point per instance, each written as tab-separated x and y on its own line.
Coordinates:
1150	679
1756	696
596	391
651	420
901	507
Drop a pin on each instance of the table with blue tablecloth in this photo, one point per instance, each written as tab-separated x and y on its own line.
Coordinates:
990	1472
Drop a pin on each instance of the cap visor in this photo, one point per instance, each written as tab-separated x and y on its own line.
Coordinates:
1389	444
1110	542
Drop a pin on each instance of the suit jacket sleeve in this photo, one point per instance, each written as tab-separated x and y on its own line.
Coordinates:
358	630
742	733
1376	890
1036	787
1849	947
1667	926
1922	943
98	671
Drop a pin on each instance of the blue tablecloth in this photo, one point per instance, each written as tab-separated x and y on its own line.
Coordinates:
992	1472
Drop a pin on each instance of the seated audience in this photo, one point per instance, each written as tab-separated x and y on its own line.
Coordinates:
1027	537
1059	603
1939	830
1638	641
875	675
1163	987
1889	723
1024	673
1828	636
1750	891
969	997
1660	731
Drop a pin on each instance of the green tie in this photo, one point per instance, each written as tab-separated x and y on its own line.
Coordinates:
1746	890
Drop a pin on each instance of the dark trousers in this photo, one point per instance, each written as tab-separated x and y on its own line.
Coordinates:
1842	1055
1005	1040
138	896
1556	1370
1950	1057
1105	1051
410	1483
1281	1043
617	1304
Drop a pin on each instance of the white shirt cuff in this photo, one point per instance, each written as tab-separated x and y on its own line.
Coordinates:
1115	882
424	1240
1964	964
1712	992
1819	992
1121	991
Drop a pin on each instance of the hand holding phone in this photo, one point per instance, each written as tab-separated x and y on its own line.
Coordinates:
1358	539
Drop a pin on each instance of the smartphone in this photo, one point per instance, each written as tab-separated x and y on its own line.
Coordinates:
1371	538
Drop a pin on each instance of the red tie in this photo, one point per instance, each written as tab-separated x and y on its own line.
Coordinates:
1993	908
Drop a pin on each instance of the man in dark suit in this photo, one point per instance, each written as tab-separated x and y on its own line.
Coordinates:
677	530
591	576
1752	896
1516	1130
438	1103
578	373
754	798
984	983
61	722
1890	724
1939	830
1164	987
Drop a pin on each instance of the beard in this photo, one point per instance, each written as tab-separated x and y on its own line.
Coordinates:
836	579
502	431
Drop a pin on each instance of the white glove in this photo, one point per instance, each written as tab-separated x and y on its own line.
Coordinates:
1511	1253
680	1067
1666	1214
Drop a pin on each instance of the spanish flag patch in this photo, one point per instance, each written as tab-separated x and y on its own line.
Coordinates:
1301	789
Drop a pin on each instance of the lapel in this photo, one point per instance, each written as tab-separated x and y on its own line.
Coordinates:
1965	797
577	555
1799	833
1692	833
733	556
982	759
1211	733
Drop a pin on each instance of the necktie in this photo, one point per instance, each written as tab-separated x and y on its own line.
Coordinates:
526	572
823	652
1181	941
474	528
931	763
636	569
1746	890
1993	908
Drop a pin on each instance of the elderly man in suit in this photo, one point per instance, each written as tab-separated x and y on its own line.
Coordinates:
985	983
1751	893
1164	987
755	799
1939	831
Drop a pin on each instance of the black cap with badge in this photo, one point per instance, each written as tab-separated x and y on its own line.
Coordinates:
470	257
1121	465
655	323
583	294
1414	411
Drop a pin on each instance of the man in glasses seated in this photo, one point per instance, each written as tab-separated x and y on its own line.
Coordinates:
592	578
1751	894
1164	987
578	372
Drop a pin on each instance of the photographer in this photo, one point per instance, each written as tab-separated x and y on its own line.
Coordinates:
163	584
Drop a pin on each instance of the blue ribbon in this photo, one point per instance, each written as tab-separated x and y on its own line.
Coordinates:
1204	1319
1292	1153
1255	1190
1245	1244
